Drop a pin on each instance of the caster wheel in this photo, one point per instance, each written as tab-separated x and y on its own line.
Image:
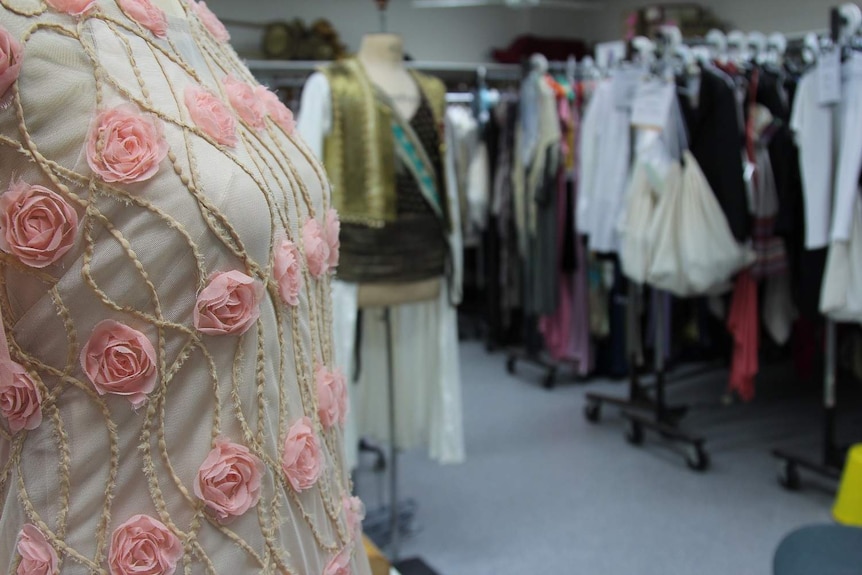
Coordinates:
550	380
593	412
788	476
696	458
635	433
511	363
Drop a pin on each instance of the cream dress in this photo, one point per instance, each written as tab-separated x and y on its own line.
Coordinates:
142	254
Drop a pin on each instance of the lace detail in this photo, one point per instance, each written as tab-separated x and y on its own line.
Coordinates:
173	357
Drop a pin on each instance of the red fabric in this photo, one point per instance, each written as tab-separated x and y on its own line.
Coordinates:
743	322
553	49
744	326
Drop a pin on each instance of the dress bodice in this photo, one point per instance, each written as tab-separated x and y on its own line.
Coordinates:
166	254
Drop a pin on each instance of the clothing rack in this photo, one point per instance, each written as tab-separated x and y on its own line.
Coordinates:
646	407
550	368
832	455
279	70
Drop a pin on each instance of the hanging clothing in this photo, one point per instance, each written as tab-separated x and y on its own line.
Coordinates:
715	140
535	186
472	170
605	144
744	325
820	146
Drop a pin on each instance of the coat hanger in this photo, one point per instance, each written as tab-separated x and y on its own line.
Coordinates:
756	43
736	47
776	47
716	42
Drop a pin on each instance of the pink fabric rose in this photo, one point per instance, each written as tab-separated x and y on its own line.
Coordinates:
121	361
144	546
333	231
125	146
316	248
331	396
276	109
20	398
354	513
302	461
211	115
11	56
36	224
245	102
211	21
288	272
37	555
147	14
73	7
229	480
340	563
229	305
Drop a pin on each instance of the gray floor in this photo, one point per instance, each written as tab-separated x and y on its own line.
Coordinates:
544	492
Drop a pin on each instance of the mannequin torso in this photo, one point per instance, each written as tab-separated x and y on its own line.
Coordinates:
382	57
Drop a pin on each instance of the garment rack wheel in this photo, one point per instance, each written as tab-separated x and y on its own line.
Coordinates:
788	475
593	411
635	433
550	381
696	457
511	364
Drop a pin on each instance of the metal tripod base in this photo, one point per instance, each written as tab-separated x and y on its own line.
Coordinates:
377	524
696	456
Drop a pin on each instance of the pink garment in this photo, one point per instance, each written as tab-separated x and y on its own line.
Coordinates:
744	325
567	332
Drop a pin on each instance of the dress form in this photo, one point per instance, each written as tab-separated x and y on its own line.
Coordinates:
382	57
115	466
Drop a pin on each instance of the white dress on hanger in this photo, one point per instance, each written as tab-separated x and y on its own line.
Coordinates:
832	210
425	335
605	165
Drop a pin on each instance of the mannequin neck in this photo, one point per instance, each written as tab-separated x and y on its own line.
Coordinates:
381	50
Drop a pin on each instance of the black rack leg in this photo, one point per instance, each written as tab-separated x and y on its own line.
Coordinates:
832	457
663	421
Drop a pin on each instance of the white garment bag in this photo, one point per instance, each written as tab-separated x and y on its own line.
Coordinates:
678	240
635	225
709	255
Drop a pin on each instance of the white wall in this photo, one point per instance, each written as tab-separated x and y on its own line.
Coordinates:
787	16
465	35
469	34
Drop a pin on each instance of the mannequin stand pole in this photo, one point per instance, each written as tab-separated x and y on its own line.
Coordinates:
395	542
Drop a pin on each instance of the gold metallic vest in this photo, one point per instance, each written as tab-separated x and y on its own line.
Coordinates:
359	153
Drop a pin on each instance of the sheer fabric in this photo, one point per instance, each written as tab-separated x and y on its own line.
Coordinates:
143	254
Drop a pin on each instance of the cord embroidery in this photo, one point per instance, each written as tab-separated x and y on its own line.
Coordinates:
270	159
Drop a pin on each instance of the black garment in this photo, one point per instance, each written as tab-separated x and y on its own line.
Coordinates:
717	144
413	247
775	91
569	260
